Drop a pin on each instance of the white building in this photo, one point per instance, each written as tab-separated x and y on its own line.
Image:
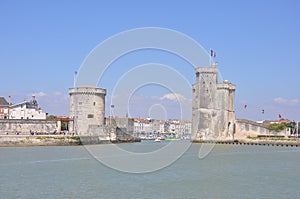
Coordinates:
186	127
162	127
4	108
142	125
178	127
170	128
27	110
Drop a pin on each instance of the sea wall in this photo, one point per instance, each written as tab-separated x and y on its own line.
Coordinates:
41	140
24	127
246	128
111	133
59	140
40	133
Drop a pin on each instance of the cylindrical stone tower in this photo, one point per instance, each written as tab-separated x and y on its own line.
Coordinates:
87	107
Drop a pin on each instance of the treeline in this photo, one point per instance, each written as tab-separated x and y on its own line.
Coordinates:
282	126
64	125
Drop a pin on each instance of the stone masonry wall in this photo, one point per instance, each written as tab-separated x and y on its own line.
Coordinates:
245	128
25	126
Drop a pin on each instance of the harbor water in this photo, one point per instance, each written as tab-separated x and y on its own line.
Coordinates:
228	171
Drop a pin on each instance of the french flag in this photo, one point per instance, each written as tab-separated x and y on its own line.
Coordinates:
213	54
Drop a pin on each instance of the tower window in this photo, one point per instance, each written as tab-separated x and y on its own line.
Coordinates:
94	103
90	116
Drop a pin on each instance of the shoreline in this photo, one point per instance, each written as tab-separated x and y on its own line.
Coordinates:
261	142
75	140
56	140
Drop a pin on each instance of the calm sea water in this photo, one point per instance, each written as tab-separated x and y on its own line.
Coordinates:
229	171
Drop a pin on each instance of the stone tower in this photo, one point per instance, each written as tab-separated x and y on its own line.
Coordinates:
213	106
87	107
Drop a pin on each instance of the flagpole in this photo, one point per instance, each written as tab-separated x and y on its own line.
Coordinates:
297	127
210	60
75	78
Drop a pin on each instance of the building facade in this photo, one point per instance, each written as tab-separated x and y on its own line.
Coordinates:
180	128
4	108
142	125
27	110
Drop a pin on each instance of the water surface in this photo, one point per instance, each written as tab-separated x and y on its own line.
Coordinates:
229	171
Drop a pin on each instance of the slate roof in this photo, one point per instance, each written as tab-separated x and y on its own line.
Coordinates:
3	102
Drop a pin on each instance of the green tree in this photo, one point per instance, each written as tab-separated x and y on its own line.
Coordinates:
64	126
51	117
276	127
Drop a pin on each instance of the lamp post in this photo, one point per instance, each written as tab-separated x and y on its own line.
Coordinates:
297	130
110	113
8	111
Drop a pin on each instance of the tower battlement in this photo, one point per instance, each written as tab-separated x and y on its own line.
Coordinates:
227	86
206	70
87	90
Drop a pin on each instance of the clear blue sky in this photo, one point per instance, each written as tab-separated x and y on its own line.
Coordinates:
257	45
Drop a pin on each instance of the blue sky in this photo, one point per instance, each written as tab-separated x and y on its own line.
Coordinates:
257	45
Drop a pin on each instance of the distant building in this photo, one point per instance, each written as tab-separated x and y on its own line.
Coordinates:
178	127
185	127
27	110
162	126
282	121
142	125
25	118
4	108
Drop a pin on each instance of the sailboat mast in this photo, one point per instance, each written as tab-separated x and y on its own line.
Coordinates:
297	128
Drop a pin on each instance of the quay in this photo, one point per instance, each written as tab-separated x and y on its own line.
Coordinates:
58	140
282	143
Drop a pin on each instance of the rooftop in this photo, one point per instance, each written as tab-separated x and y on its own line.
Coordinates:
3	102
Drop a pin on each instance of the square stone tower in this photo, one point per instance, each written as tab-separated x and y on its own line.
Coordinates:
213	106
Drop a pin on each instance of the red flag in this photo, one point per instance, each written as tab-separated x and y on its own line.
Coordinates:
279	116
245	106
